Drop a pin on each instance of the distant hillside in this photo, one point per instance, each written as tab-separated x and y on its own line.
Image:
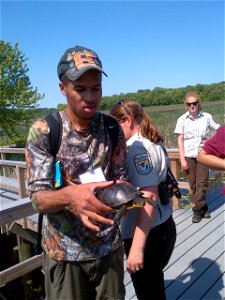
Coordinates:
158	96
168	96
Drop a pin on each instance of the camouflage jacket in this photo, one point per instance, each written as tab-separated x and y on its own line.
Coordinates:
64	236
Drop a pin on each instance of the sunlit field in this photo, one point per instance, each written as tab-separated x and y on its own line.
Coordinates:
165	118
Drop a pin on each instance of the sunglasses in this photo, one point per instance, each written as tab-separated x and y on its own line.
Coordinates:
121	102
192	103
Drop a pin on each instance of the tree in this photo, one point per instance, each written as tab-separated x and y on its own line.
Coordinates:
18	99
61	106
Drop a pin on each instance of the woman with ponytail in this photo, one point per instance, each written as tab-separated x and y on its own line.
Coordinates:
149	233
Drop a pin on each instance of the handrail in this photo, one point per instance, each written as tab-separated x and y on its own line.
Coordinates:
20	185
12	150
14	211
19	165
13	163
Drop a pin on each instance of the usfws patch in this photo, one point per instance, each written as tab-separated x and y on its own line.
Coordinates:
143	163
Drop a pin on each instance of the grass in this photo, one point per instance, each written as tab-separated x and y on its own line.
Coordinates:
165	118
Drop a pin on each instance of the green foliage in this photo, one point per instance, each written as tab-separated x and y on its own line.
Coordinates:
18	98
164	96
41	112
61	106
167	96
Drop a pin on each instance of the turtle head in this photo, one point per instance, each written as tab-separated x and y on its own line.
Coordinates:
121	195
138	202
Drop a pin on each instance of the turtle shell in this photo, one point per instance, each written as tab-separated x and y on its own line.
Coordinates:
121	194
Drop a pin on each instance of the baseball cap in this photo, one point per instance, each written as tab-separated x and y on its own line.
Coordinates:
76	61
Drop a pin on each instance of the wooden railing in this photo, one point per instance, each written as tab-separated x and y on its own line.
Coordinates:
16	210
13	178
20	166
9	182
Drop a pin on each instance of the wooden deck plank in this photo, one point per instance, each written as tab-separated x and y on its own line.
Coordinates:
212	200
130	293
16	210
197	264
217	291
20	269
13	184
9	183
201	286
194	233
127	278
7	196
190	236
194	271
127	282
178	212
191	249
188	230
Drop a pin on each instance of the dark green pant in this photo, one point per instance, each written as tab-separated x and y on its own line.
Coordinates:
100	279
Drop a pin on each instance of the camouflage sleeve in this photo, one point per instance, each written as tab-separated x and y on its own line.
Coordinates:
38	158
117	164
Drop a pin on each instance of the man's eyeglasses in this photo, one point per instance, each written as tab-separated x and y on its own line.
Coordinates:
192	103
121	102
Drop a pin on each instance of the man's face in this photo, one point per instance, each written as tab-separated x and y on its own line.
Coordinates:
84	94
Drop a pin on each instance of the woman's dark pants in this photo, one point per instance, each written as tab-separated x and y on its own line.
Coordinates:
149	282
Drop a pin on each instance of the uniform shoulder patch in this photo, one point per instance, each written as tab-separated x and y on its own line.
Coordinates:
143	163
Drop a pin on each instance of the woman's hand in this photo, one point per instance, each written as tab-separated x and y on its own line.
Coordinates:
184	164
135	261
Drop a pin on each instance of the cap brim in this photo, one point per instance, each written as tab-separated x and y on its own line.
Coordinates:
75	75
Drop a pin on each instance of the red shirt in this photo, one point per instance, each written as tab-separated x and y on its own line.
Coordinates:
216	146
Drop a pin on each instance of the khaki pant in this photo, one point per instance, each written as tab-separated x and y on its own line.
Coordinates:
198	175
100	279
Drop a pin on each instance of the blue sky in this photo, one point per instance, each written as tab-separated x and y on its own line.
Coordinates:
142	44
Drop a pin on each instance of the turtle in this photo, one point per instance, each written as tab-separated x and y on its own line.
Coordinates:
121	195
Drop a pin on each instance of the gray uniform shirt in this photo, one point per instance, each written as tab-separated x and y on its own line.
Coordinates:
146	164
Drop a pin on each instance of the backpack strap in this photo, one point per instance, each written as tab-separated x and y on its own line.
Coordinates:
112	127
38	249
55	125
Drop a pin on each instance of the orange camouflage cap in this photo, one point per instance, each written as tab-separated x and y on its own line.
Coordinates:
76	61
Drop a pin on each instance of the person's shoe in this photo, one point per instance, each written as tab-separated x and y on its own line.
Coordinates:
196	218
206	215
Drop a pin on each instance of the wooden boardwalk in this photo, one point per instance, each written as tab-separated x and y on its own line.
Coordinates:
196	268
